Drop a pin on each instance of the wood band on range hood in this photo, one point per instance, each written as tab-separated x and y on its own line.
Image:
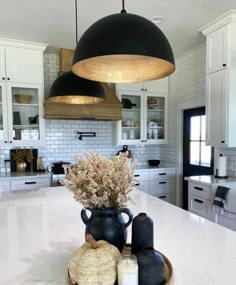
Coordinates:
109	109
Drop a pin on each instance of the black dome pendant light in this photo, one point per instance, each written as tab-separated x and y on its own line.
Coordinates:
123	48
69	88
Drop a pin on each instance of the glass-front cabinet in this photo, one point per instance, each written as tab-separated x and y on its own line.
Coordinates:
144	118
21	114
3	114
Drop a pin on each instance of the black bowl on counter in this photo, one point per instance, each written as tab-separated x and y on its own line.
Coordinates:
154	162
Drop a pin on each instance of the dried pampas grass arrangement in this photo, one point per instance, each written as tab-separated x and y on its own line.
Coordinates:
98	182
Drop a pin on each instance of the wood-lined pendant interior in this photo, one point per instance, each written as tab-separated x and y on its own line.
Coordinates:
123	68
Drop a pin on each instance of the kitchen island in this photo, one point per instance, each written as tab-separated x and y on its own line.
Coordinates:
39	231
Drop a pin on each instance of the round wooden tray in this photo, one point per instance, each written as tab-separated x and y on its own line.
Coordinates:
127	251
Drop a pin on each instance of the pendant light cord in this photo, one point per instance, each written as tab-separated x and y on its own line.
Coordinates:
76	23
123	7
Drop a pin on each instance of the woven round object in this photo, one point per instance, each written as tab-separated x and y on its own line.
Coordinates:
89	266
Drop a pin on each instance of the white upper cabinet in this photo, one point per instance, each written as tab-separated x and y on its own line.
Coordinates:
218	49
24	65
2	64
144	113
216	108
159	86
21	93
221	81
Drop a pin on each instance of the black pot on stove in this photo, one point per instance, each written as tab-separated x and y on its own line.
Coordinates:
58	167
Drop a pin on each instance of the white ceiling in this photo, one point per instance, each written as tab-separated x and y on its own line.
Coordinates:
53	21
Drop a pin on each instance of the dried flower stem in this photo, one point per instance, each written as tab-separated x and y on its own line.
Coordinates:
98	182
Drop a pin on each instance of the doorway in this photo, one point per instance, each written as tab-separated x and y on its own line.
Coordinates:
197	157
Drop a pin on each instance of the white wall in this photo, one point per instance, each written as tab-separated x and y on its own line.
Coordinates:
62	141
187	90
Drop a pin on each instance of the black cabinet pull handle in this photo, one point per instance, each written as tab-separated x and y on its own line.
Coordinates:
145	89
222	141
145	140
8	78
31	182
198	201
3	78
137	184
162	197
198	188
10	141
162	173
136	175
142	89
5	141
224	64
162	182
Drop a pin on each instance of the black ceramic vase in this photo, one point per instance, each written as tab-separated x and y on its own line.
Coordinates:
107	224
142	233
151	267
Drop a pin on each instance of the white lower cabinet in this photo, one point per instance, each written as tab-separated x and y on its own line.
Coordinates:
227	220
170	198
24	183
200	206
159	183
33	183
5	186
200	202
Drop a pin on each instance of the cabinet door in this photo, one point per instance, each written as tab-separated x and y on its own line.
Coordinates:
226	219
170	198
24	65
155	118
3	115
218	50
199	206
129	130
25	114
159	86
143	186
2	64
216	108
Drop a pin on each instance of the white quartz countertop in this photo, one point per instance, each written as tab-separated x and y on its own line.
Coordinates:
210	180
40	230
147	167
16	175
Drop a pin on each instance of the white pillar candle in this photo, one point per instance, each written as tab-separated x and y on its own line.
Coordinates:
128	270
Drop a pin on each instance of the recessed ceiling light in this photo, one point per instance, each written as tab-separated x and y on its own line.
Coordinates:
157	19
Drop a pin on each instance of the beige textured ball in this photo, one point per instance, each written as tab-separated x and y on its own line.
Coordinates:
94	263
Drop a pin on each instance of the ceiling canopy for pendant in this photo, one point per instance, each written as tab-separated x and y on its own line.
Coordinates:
71	89
123	48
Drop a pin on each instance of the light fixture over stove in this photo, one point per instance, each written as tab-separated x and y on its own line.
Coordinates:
123	48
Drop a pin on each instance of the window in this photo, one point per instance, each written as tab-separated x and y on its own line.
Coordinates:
200	154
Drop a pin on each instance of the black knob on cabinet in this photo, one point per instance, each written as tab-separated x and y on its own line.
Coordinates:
10	141
145	89
224	64
5	141
145	140
142	89
222	141
3	78
142	141
8	78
